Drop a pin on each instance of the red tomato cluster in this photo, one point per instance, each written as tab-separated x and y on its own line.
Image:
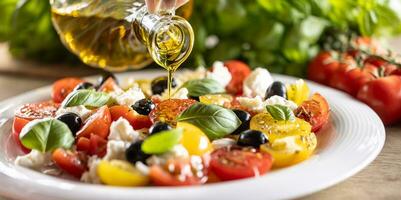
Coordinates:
371	79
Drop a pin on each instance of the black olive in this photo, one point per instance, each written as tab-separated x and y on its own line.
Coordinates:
276	88
194	98
252	138
106	75
245	118
158	127
72	120
143	106
84	85
159	84
134	153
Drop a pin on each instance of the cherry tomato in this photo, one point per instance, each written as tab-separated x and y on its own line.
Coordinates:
29	112
354	79
95	145
315	111
69	161
239	71
120	173
168	110
231	164
275	129
178	172
383	96
63	87
322	67
137	121
98	124
109	85
291	150
337	78
194	139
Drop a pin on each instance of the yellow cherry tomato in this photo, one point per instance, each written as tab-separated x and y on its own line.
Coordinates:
194	140
276	129
120	173
216	99
298	92
290	150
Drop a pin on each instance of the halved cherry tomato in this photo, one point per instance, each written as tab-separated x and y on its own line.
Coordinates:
69	161
178	172
169	110
109	85
194	140
29	112
239	71
231	164
95	145
120	173
137	121
315	111
63	87
98	124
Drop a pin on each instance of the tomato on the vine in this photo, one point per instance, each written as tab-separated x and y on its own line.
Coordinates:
322	67
231	164
63	87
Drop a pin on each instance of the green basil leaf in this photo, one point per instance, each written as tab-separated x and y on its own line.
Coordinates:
280	112
215	121
46	135
162	142
89	98
201	87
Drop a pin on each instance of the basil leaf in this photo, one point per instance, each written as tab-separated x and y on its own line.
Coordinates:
201	87
162	142
89	98
46	135
280	112
214	121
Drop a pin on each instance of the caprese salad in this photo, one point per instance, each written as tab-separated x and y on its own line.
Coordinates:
224	123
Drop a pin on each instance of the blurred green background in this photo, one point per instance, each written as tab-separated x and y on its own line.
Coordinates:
281	35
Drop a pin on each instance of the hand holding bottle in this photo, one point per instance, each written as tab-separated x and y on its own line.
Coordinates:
157	6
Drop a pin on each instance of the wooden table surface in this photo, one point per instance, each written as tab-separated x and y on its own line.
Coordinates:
380	180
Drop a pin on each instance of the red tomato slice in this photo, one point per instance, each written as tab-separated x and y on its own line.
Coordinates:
98	124
231	164
174	173
29	112
239	71
109	85
315	111
137	121
93	146
69	161
169	110
63	87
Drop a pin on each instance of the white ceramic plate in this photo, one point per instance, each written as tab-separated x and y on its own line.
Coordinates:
349	143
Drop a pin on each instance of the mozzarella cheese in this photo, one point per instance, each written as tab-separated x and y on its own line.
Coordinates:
281	101
34	160
81	111
116	150
223	142
121	130
220	73
257	83
181	93
91	176
129	97
178	151
254	104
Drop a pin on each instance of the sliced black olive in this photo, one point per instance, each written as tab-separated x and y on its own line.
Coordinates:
134	153
159	84
72	120
143	106
159	127
245	118
252	138
276	88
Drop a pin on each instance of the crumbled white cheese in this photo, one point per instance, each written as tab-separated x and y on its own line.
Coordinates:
34	160
181	93
81	111
178	151
220	73
254	104
281	101
116	150
121	130
91	176
223	142
141	167
257	83
129	97
185	75
128	83
290	144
